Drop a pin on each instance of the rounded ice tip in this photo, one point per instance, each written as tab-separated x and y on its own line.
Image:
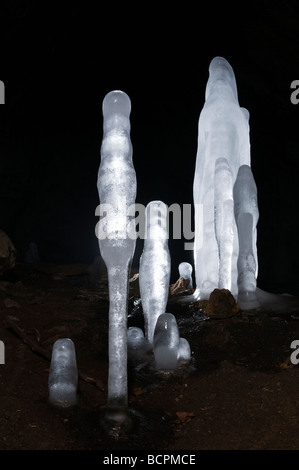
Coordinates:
116	102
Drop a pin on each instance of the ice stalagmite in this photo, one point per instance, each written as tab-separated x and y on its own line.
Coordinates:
154	269
246	215
166	342
184	351
138	346
223	146
185	271
117	192
63	374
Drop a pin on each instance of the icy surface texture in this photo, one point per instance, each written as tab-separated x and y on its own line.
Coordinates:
166	342
184	351
223	146
185	271
117	189
154	266
63	375
246	215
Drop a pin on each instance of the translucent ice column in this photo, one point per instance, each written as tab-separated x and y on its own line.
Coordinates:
117	192
63	375
246	215
154	266
166	342
223	145
185	271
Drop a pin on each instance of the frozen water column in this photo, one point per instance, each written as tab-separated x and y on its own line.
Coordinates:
154	266
223	145
117	192
246	215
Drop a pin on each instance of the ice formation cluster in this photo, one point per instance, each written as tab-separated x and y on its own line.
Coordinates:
226	216
228	212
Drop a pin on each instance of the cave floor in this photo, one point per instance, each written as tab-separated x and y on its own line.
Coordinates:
238	392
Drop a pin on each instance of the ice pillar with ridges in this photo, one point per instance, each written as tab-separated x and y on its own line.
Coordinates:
117	193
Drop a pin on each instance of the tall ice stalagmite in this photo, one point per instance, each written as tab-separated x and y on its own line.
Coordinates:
223	146
117	192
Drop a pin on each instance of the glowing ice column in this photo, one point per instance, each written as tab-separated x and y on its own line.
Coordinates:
117	192
154	269
63	375
246	215
223	136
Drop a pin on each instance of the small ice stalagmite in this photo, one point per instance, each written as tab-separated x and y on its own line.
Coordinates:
138	346
166	342
185	271
184	350
223	138
154	267
117	192
135	337
63	375
246	215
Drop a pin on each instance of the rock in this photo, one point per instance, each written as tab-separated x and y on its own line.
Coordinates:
11	303
221	304
8	253
180	287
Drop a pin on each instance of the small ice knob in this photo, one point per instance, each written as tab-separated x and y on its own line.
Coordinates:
138	346
116	102
166	342
185	271
184	351
63	375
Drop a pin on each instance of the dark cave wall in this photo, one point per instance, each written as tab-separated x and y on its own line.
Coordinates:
57	68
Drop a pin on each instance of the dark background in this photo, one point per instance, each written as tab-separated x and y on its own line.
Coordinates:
58	61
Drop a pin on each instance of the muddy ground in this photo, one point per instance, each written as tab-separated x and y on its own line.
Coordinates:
240	390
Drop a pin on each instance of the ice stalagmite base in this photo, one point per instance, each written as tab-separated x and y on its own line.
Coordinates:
117	192
154	269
